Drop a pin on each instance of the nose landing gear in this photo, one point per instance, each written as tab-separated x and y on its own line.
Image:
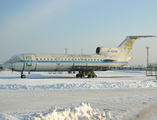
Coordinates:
22	75
82	74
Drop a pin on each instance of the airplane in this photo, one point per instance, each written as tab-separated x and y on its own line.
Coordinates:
85	64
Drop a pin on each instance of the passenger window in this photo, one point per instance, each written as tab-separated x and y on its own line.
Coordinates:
40	58
37	58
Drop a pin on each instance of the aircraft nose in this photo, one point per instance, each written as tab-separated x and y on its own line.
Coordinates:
7	65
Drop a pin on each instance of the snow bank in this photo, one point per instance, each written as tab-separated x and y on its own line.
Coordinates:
69	86
81	112
116	80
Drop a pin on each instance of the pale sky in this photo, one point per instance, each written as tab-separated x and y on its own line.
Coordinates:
50	26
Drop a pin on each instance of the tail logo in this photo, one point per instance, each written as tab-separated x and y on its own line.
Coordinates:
128	46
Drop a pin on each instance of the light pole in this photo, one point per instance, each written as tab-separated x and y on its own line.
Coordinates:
66	50
147	55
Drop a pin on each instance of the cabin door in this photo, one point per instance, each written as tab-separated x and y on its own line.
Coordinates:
30	62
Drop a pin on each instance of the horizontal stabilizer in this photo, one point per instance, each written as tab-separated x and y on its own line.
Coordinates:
138	37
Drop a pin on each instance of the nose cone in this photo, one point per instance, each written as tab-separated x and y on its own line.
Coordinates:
7	65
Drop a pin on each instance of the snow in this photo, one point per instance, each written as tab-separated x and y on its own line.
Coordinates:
97	85
81	112
113	95
47	81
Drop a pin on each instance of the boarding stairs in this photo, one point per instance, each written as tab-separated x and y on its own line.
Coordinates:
151	69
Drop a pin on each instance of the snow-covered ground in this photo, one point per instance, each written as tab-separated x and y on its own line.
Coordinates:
115	95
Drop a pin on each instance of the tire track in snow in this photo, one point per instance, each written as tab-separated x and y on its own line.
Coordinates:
148	113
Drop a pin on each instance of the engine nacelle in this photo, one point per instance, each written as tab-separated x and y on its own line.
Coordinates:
107	51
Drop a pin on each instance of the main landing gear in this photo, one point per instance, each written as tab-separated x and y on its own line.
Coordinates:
82	74
22	75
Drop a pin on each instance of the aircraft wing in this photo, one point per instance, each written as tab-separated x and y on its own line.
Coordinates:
109	60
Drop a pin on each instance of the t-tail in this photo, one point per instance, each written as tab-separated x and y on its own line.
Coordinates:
128	43
122	50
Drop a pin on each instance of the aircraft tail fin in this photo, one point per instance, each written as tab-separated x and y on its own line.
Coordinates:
127	44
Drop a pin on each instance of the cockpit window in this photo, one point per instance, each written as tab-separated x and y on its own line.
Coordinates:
14	59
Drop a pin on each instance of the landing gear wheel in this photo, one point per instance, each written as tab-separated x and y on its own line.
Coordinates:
89	76
81	76
77	75
22	75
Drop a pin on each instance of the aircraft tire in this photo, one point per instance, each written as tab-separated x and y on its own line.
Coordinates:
77	75
23	76
89	76
81	76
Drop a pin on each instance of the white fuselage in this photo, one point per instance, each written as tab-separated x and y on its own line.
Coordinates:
52	62
85	64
